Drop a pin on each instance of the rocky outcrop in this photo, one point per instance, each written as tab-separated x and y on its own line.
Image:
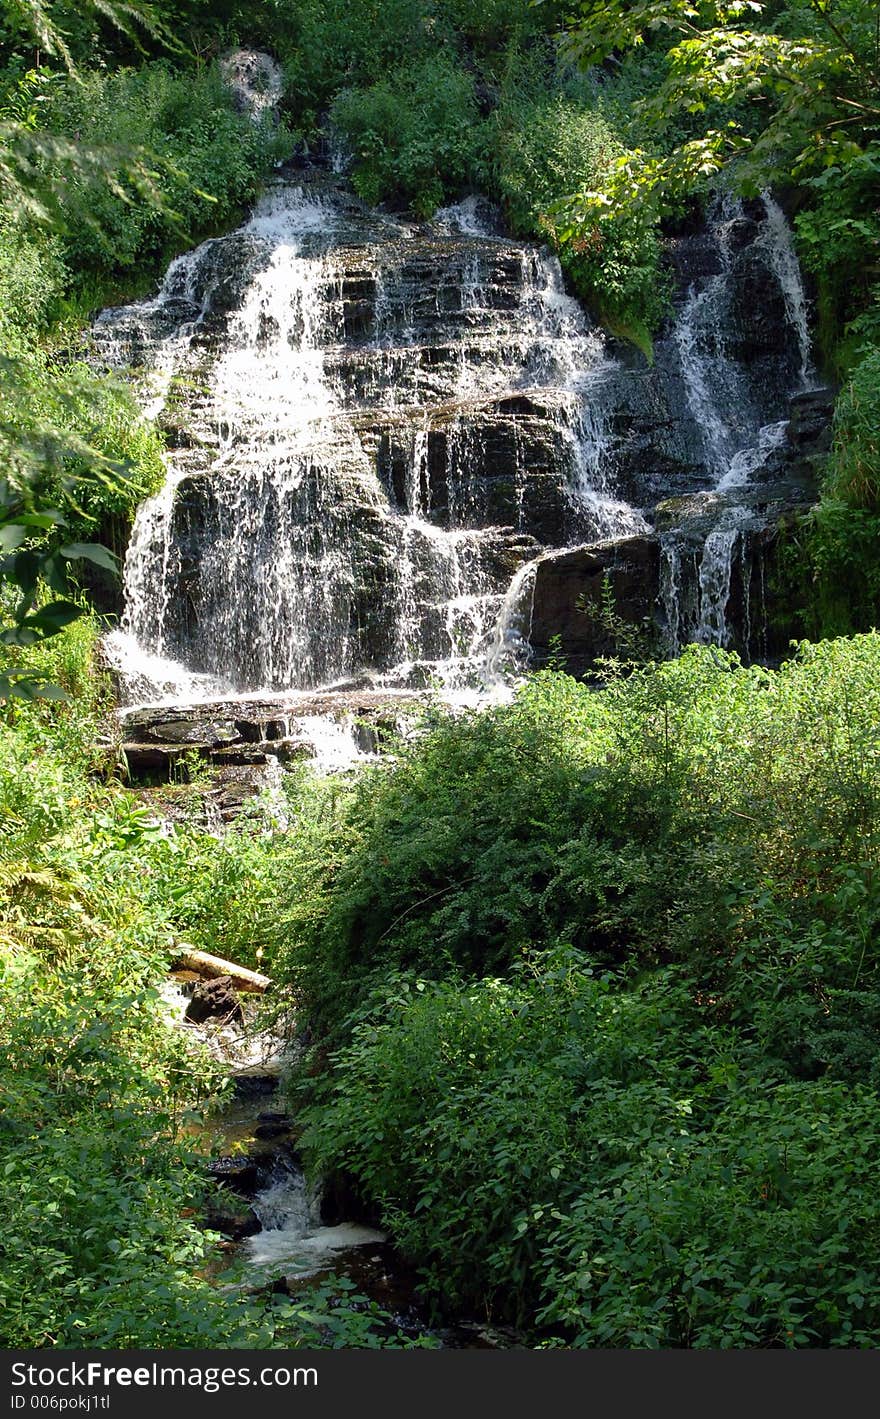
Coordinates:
375	425
619	597
239	738
582	595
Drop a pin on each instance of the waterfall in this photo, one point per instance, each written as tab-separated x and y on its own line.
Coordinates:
378	430
727	402
291	1232
715	386
776	241
716	566
373	431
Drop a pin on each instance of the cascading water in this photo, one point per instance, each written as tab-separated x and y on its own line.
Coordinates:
380	434
776	241
715	385
739	413
291	1230
381	427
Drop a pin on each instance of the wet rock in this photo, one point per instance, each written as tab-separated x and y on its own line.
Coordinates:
273	1129
254	1084
147	760
811	414
241	1174
567	609
234	1225
214	998
462	416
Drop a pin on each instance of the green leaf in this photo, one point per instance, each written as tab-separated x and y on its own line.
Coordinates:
91	552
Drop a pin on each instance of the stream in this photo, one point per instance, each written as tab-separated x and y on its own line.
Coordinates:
281	1233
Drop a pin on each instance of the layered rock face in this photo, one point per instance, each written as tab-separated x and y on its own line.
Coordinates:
372	426
386	441
720	443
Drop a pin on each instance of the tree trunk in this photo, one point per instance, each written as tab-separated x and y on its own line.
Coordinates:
204	964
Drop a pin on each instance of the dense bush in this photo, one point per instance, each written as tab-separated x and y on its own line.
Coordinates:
552	141
210	161
643	822
614	1163
834	567
415	135
329	45
838	238
597	979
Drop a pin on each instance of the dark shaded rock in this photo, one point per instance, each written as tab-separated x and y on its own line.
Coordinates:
277	1128
213	998
254	1086
567	606
191	731
810	420
242	756
241	1174
234	1225
342	1201
146	760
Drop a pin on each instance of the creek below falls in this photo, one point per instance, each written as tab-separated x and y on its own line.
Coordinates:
403	463
284	1234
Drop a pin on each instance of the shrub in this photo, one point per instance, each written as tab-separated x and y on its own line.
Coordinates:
210	162
606	1163
550	145
415	136
837	548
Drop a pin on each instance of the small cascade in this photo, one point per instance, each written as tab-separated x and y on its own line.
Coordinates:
336	743
749	460
679	590
776	241
508	655
728	398
716	565
715	385
291	1232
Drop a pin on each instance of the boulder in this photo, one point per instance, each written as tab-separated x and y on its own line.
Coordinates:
214	998
570	599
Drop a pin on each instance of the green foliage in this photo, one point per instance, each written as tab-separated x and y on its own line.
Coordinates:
209	158
415	135
330	45
836	550
596	817
100	1187
750	95
838	239
549	146
854	469
749	1232
78	458
609	1160
597	979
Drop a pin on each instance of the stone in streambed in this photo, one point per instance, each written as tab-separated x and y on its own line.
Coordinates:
234	1225
214	998
240	1173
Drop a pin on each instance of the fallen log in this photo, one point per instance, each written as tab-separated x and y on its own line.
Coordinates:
204	964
